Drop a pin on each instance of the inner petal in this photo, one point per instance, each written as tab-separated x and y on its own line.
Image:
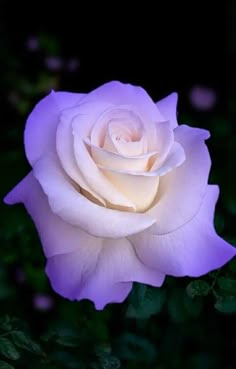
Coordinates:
116	127
115	161
140	189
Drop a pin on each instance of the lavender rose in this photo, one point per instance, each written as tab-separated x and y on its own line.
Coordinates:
118	193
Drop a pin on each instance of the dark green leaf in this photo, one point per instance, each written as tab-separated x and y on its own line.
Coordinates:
133	347
8	349
176	306
49	336
198	288
138	293
107	361
227	284
151	303
65	359
5	323
23	341
4	365
68	341
226	304
19	324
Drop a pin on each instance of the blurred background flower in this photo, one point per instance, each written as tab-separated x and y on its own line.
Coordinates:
202	98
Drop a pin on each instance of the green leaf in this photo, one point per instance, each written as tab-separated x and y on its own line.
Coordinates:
198	288
4	365
226	304
138	293
5	323
64	359
107	361
133	347
23	341
49	336
68	341
150	303
8	349
227	284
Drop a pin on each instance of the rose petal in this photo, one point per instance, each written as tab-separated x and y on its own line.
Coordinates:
140	189
164	138
75	209
119	116
40	130
181	191
93	175
115	161
117	93
67	270
175	158
132	148
64	147
53	231
102	277
110	96
192	250
167	107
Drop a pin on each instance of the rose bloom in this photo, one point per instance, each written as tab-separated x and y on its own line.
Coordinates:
118	192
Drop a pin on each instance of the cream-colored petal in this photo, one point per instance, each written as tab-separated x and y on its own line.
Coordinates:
175	158
140	189
93	175
115	161
77	210
64	147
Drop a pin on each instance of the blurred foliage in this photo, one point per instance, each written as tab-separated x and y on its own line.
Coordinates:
185	324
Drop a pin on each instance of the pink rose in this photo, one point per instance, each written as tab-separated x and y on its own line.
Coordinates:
118	192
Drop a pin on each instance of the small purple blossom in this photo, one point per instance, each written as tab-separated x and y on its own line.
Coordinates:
19	275
54	63
202	98
42	302
72	65
32	43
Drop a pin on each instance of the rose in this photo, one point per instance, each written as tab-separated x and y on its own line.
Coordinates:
118	193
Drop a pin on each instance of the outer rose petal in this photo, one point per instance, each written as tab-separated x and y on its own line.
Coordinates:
40	130
51	228
192	250
118	93
181	191
167	107
109	280
80	265
75	209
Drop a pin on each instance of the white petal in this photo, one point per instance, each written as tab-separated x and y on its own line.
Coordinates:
140	189
167	107
182	190
64	146
75	209
96	179
41	125
193	250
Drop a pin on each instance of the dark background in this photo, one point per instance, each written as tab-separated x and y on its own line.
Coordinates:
163	48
